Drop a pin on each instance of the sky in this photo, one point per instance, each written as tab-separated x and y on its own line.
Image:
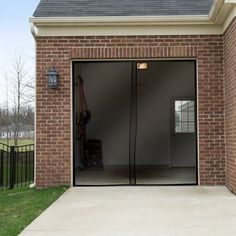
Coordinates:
15	37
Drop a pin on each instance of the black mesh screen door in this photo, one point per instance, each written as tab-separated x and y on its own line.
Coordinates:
134	123
102	102
166	131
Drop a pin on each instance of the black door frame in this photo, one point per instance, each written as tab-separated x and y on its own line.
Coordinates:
133	120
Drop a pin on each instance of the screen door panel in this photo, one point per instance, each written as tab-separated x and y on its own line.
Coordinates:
158	146
105	156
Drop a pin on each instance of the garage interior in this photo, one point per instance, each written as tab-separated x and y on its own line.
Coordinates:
134	123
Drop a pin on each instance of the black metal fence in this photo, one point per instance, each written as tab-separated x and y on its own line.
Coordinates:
16	166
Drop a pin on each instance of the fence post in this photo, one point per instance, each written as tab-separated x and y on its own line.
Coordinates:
1	167
12	167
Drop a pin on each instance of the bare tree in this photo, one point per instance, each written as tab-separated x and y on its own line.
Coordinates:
21	90
7	110
19	96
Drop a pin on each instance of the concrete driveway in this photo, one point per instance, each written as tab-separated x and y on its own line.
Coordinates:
139	211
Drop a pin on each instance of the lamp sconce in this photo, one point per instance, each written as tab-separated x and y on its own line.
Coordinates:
52	77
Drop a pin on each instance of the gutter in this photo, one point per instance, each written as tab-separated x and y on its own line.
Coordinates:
117	20
33	30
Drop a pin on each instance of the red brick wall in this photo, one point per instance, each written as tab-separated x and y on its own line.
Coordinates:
230	104
53	137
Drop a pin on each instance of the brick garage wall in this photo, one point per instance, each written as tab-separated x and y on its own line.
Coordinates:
53	136
230	104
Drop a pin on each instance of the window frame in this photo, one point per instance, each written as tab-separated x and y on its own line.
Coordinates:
172	113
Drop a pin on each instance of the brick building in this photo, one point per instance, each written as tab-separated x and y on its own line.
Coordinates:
125	70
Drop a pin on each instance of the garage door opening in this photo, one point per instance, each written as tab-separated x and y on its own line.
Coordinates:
134	123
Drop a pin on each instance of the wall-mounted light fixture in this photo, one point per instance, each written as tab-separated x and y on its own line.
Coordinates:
52	77
142	66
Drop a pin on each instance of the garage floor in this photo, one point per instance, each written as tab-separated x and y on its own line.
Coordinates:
117	175
139	211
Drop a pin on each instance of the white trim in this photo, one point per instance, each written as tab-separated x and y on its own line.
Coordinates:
215	9
229	19
222	14
33	29
129	30
117	20
230	1
219	18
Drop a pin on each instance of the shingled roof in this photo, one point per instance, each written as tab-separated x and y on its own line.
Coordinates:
87	8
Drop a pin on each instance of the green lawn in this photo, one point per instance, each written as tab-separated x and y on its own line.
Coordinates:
20	141
19	207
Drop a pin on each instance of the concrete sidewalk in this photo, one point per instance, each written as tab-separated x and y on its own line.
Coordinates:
139	211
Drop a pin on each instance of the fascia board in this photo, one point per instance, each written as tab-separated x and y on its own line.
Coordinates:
43	21
230	1
229	19
129	30
215	9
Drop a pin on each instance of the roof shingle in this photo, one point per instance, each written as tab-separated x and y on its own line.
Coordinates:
86	8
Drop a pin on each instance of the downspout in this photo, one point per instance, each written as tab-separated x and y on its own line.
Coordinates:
33	32
32	29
